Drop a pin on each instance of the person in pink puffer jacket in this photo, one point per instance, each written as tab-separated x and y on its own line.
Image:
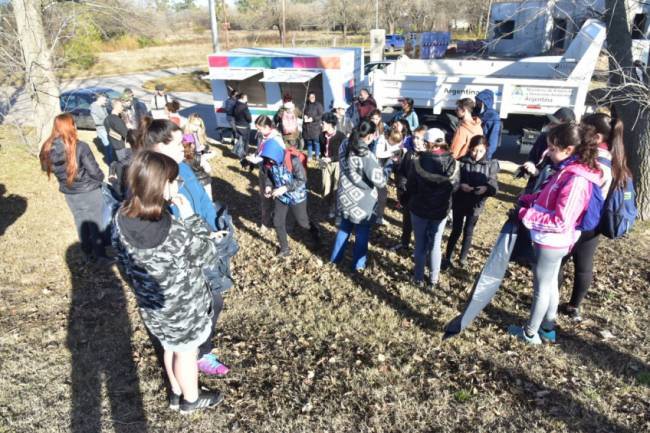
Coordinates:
553	216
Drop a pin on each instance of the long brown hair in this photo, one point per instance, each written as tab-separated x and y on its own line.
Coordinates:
147	176
612	129
582	138
63	129
380	126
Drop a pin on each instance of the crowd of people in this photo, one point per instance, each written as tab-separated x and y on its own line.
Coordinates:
174	242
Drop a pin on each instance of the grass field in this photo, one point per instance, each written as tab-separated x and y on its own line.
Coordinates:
193	50
312	348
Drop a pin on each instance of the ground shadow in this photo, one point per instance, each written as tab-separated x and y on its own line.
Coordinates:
99	340
555	404
422	320
240	206
508	193
596	353
12	207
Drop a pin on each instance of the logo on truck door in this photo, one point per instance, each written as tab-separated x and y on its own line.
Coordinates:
537	97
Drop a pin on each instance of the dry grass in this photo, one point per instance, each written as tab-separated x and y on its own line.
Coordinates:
193	50
312	348
189	82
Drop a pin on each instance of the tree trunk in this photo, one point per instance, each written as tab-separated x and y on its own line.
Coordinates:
40	81
637	147
633	105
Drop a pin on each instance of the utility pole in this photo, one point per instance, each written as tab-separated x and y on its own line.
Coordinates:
487	20
376	14
284	21
226	24
213	25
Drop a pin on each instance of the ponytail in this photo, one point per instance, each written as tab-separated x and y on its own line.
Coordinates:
587	150
582	138
620	170
612	128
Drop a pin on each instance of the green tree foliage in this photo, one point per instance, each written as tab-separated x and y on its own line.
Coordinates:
80	49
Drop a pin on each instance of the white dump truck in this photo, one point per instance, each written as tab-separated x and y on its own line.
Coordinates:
525	89
266	74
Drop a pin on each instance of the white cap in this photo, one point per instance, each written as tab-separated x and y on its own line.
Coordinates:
434	135
340	104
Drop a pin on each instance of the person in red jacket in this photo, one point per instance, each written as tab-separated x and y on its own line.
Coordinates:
553	216
365	105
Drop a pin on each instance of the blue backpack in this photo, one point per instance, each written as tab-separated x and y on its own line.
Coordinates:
593	214
619	212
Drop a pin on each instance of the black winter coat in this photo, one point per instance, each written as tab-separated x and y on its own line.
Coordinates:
476	173
242	114
89	176
403	169
430	184
331	151
311	130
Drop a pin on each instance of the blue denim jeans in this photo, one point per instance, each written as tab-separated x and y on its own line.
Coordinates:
312	144
361	235
428	240
109	154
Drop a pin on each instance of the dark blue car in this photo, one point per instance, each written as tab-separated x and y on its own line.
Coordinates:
77	102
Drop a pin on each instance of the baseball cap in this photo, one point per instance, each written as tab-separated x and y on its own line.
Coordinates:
340	104
160	87
188	138
434	135
563	115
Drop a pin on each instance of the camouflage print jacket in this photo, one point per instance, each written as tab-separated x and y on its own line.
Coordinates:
174	300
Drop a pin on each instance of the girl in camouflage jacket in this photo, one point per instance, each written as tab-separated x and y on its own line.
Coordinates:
163	259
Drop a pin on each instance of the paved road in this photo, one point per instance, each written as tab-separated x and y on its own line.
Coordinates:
20	112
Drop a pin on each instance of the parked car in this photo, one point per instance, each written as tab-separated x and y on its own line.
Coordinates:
371	66
394	43
77	102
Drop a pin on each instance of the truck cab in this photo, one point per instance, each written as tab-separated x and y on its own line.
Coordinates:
394	43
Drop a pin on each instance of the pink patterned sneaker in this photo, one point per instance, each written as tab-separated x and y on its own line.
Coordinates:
209	364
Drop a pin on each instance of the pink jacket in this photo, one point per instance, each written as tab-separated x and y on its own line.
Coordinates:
553	213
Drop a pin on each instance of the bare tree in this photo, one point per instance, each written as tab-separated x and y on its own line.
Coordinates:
630	97
36	56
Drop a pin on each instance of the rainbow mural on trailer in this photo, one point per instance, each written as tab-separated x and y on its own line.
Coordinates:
266	62
265	73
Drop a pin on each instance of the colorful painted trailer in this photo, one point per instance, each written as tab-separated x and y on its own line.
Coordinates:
265	74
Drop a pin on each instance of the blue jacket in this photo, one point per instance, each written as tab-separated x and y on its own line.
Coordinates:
411	118
490	121
198	198
278	174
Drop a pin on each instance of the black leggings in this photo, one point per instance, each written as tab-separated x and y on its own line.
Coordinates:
456	229
583	261
299	212
407	227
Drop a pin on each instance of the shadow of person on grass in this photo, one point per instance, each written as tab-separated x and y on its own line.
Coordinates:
12	207
99	340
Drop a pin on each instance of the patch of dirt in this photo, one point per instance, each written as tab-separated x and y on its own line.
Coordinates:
313	348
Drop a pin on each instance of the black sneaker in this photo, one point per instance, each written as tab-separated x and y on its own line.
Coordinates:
572	312
206	400
283	254
174	401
